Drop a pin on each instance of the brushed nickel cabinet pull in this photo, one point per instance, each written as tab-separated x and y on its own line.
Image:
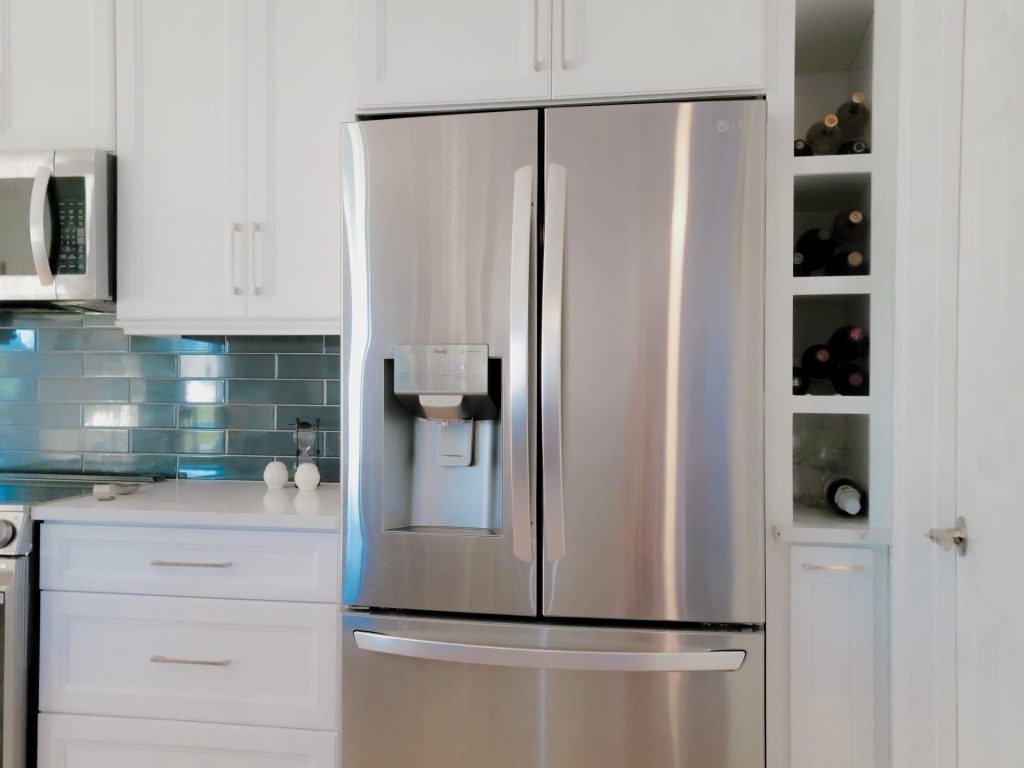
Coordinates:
194	662
183	564
835	568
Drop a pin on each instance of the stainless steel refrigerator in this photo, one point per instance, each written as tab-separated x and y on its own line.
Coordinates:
553	537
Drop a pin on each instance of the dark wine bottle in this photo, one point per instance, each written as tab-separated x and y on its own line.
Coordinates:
850	379
848	343
850	226
857	147
801	148
800	382
846	263
816	362
815	245
800	265
845	496
854	118
824	137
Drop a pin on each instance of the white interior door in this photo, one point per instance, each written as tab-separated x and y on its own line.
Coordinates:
990	408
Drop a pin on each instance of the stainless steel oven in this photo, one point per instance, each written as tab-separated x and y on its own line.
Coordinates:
56	227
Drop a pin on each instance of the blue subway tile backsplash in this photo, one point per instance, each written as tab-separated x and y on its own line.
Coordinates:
77	395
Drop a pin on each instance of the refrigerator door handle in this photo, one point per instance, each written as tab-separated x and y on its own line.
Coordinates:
519	364
551	658
551	362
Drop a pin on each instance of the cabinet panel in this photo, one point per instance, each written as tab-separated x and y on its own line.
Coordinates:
452	51
75	741
299	97
832	628
56	74
611	48
181	158
247	662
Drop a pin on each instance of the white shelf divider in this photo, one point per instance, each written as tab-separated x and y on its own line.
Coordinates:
818	165
816	525
831	286
838	404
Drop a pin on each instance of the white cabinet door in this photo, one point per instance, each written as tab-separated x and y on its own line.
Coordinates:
832	664
181	159
76	741
414	53
56	74
611	48
298	98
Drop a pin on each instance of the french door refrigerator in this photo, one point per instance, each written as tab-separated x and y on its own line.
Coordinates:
552	395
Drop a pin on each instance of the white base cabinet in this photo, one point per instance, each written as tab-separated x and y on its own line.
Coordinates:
79	741
833	656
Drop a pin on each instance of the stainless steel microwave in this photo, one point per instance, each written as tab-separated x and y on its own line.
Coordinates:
56	227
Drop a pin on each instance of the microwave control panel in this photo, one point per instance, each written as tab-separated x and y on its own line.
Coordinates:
70	219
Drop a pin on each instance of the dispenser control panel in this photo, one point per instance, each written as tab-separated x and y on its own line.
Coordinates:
440	369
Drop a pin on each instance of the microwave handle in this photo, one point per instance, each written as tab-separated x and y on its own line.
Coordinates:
37	227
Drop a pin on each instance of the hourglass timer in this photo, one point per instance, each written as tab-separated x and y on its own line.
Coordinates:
307	443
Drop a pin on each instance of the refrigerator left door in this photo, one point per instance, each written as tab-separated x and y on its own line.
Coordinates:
439	286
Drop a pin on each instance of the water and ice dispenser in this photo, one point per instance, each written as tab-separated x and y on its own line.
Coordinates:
442	439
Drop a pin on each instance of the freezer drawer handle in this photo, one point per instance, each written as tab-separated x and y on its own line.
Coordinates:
549	658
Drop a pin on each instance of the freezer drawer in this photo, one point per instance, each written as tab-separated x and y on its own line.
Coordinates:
452	694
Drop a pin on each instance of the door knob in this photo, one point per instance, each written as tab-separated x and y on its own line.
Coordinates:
947	538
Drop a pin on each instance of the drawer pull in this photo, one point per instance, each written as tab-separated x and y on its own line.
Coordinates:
183	564
195	662
835	568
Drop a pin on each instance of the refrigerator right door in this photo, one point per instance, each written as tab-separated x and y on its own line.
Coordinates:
652	369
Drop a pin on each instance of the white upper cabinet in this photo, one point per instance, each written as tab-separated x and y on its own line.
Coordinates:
56	74
607	48
229	191
419	53
415	54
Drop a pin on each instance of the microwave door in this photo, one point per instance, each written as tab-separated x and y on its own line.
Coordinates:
26	227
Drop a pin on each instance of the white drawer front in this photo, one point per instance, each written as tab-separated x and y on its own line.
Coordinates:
193	562
76	741
228	661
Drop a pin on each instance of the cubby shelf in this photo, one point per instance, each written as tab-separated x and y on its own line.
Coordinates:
837	404
816	525
818	165
831	286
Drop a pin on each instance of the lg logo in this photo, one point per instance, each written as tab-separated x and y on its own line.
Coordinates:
725	125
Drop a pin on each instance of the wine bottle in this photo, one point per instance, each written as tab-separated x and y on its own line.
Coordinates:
801	148
824	138
848	343
800	382
854	118
815	245
844	496
816	362
800	268
856	147
850	379
850	226
846	263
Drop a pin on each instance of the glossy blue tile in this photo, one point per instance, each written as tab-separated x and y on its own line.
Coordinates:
249	443
177	391
332	444
17	389
332	344
330	471
40	414
329	415
227	366
34	318
131	365
18	439
222	467
273	391
177	441
82	340
83	390
226	416
275	343
333	392
39	461
99	320
60	365
94	440
118	415
17	340
130	464
308	366
177	344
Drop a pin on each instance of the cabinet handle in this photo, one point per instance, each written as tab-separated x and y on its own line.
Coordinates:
237	285
835	568
536	34
37	226
561	33
194	662
185	564
255	264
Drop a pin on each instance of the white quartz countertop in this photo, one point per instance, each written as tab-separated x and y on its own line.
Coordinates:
210	503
